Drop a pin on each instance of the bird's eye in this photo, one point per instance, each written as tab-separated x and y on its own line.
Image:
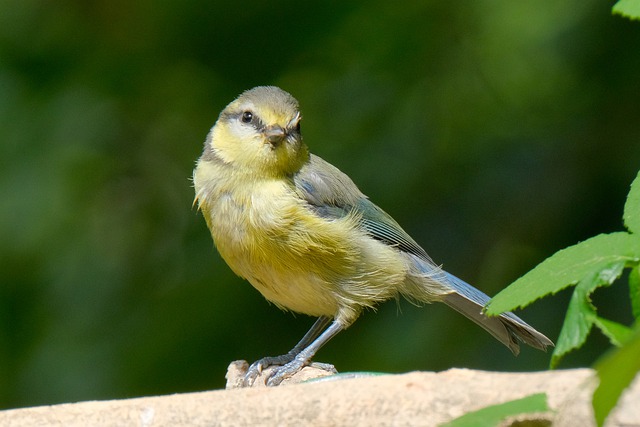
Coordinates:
298	127
247	116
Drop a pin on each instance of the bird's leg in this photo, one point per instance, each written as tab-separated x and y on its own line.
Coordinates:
304	356
256	367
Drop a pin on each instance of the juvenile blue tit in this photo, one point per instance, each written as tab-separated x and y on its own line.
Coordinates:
302	233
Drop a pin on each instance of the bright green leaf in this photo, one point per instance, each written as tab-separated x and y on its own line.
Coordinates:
617	333
576	327
616	370
567	267
634	291
493	415
604	277
632	206
627	8
581	314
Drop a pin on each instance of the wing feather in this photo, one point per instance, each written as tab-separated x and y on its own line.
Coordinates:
332	194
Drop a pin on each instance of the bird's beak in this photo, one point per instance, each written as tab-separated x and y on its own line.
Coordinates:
275	134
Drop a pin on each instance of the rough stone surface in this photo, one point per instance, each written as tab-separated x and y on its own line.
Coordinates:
412	399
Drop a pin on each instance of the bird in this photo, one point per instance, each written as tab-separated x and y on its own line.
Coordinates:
301	232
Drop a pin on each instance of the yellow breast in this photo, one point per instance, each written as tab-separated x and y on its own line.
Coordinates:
296	259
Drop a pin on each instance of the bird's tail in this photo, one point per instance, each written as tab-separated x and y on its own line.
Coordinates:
469	301
506	328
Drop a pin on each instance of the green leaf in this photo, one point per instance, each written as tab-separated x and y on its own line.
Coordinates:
627	8
616	370
567	267
581	314
576	327
632	206
616	332
493	415
634	291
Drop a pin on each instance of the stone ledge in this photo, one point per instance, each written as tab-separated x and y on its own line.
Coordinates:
416	398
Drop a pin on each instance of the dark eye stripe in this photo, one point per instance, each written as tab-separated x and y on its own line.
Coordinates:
239	115
248	117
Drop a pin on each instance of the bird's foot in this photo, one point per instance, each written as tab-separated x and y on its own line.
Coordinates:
256	368
287	371
284	372
286	366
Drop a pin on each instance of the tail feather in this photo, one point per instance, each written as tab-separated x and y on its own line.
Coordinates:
506	328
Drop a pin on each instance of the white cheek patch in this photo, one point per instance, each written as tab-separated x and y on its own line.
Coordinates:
243	131
246	142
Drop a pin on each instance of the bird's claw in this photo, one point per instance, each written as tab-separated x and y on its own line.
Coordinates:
256	368
284	372
286	366
287	371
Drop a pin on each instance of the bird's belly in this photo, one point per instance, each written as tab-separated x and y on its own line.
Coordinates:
300	261
263	241
301	293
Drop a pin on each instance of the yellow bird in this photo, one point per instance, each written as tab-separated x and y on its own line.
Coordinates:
302	233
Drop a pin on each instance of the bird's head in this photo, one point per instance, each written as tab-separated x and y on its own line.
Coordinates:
259	132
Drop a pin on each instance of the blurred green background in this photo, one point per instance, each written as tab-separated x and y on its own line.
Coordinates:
495	132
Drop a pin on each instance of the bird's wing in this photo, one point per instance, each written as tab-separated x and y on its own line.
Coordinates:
332	194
